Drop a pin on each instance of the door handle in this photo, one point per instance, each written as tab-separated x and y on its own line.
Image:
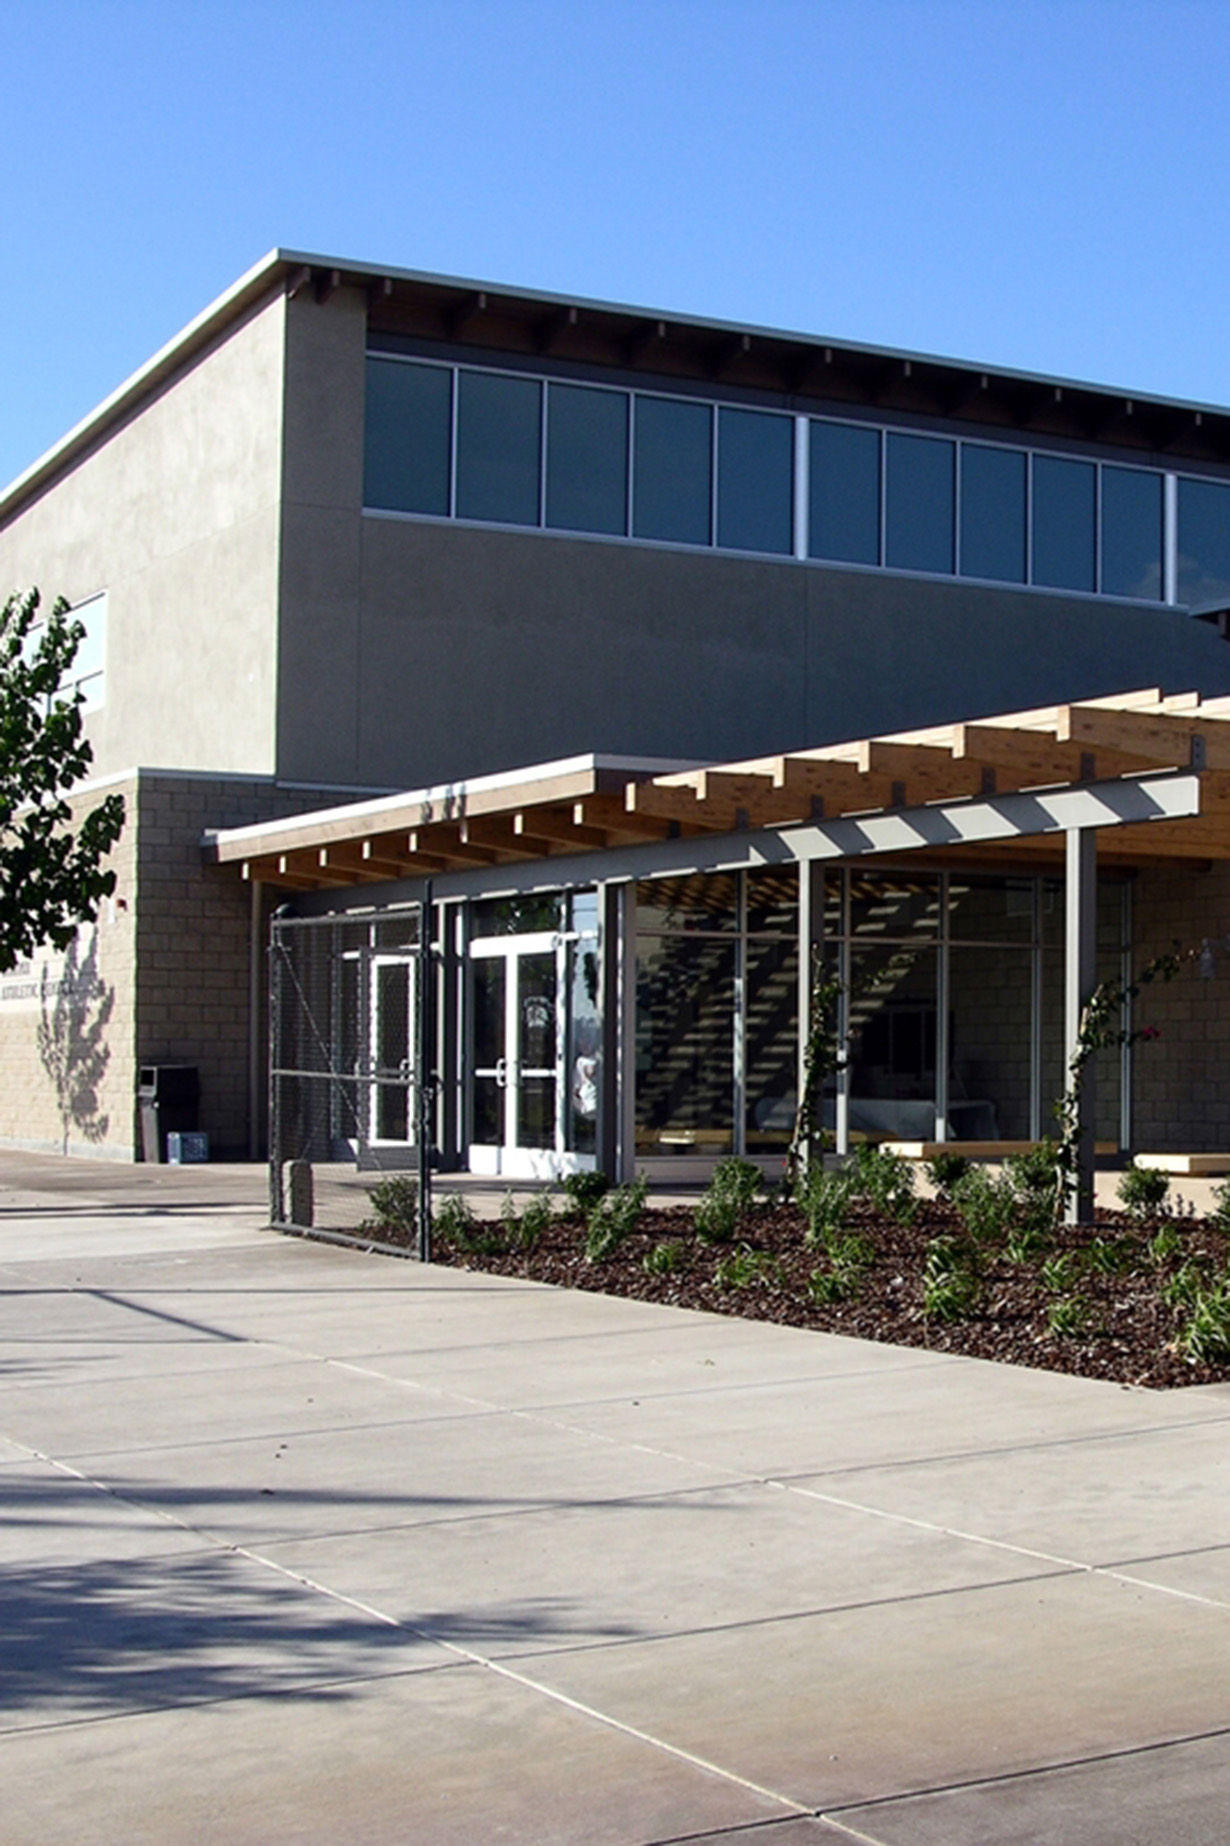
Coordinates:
501	1073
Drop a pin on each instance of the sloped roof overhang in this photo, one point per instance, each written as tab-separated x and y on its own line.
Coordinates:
1151	773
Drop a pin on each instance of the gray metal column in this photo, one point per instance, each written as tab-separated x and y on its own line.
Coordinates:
811	946
1080	952
610	928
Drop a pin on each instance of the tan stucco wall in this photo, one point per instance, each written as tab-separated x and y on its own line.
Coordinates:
175	516
67	1046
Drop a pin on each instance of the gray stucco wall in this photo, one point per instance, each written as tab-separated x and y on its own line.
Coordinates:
414	651
175	515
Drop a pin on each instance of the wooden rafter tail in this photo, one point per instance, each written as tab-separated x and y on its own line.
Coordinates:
494	833
679	804
558	827
443	842
824	787
606	814
1155	737
921	771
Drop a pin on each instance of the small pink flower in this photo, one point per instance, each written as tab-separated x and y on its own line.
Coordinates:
1150	1032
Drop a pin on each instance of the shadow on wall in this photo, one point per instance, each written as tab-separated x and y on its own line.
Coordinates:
74	1012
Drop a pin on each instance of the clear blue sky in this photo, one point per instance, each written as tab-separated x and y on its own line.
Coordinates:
1034	183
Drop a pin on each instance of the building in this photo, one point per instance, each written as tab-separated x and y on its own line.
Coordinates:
359	532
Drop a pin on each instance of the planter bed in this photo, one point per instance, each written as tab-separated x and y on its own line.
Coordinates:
1124	1328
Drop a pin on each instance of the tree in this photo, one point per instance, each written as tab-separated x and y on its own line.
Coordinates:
51	877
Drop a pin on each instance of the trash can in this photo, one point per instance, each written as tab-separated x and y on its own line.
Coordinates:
169	1096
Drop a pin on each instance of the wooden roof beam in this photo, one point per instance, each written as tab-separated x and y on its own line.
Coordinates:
1158	737
559	828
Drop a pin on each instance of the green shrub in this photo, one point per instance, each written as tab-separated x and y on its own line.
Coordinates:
524	1229
1029	1234
665	1259
728	1199
395	1202
1220	1213
1142	1192
1035	1174
613	1219
454	1220
987	1207
849	1257
946	1172
1187	1284
583	1190
1163	1245
824	1199
747	1268
1205	1339
886	1180
951	1285
1059	1273
1068	1317
1110	1256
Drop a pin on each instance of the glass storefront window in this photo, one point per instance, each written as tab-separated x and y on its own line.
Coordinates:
892	1008
587	459
1064	523
499	443
989	1035
519	916
1131	533
1204	541
773	902
755	489
920	503
990	909
844	493
407	437
771	986
672	487
894	904
693	901
992	513
685	1045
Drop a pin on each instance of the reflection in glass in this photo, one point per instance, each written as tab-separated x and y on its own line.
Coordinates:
894	903
517	916
489	1025
892	1035
992	513
773	902
393	1116
685	1045
755	481
536	1112
584	1064
536	1022
1064	522
587	459
672	471
1204	541
407	434
921	505
499	439
844	492
1131	533
771	1044
989	1033
694	901
990	909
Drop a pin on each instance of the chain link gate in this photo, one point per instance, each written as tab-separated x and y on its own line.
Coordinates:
352	1078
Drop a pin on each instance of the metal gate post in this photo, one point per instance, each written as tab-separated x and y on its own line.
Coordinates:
425	1060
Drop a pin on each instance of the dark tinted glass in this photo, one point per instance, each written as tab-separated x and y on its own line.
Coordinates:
992	513
1063	520
921	503
587	459
844	493
499	436
1204	541
672	471
1131	533
755	480
406	436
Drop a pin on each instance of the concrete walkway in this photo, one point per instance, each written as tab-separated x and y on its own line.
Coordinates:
305	1546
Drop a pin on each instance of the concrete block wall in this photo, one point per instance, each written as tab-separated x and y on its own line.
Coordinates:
1182	1079
193	942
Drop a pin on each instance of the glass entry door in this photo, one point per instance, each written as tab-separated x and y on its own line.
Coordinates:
391	1106
520	1097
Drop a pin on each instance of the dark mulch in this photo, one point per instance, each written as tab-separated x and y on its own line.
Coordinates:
1128	1334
